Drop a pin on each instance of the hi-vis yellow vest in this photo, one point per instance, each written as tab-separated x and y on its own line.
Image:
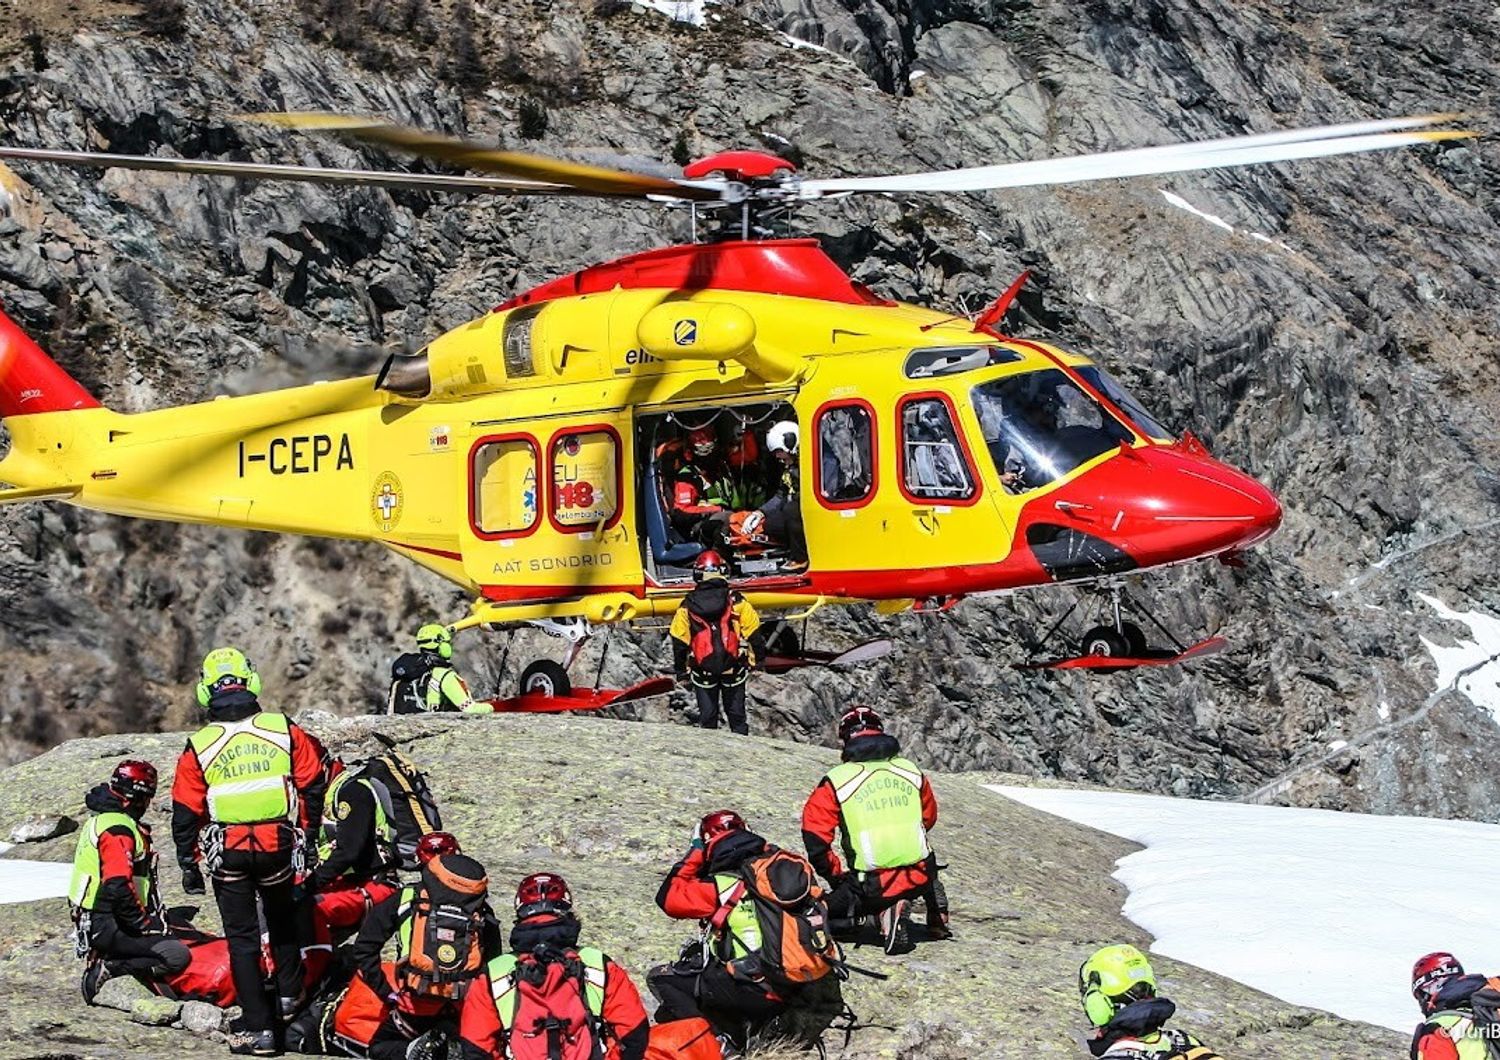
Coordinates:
742	929
881	804
1164	1045
502	973
83	890
247	766
385	835
1459	1026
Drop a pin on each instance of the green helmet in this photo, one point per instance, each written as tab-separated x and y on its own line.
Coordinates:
225	669
1111	979
437	639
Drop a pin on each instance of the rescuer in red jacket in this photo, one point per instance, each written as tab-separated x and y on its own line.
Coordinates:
882	807
544	977
249	792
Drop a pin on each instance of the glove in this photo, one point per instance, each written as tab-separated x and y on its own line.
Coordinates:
192	880
310	851
752	523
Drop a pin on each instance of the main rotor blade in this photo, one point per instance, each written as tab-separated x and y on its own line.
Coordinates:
1259	148
590	179
304	174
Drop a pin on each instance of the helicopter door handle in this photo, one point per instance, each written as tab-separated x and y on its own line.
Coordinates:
1075	509
928	521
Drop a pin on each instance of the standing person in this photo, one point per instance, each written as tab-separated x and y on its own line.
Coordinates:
114	894
1445	994
716	638
884	807
249	790
424	681
585	1000
783	511
1118	991
445	935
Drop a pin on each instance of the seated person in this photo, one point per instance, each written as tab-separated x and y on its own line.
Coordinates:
747	482
783	512
699	511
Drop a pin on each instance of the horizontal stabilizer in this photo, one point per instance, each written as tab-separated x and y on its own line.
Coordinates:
38	493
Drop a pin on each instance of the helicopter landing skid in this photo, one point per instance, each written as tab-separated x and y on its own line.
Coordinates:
1115	644
581	699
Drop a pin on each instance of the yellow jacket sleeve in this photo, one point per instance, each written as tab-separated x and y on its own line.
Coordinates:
680	629
749	619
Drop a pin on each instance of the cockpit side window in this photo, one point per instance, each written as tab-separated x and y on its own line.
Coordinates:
1041	425
933	465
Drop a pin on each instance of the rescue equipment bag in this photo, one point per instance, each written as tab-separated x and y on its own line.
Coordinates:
689	1039
442	944
796	945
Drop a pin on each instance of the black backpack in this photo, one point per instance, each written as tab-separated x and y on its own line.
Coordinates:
409	677
408	801
1486	1005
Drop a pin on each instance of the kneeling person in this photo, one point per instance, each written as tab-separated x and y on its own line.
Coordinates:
114	894
357	860
1118	991
884	807
551	997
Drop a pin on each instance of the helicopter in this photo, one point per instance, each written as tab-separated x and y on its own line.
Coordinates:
533	455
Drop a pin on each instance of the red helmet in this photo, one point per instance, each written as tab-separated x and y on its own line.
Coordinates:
719	823
709	564
859	721
542	893
703	440
134	781
436	844
1428	976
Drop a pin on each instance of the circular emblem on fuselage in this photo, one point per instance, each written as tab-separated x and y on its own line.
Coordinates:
386	501
685	332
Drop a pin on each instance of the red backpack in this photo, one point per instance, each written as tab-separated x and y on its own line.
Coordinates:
551	1008
715	640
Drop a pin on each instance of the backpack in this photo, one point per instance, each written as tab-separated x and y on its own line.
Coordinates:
689	1039
551	1004
714	638
445	948
409	676
1486	1005
406	799
796	946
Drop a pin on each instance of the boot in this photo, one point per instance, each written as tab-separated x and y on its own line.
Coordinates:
95	974
895	930
256	1043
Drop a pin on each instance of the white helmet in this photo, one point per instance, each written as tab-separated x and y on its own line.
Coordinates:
781	436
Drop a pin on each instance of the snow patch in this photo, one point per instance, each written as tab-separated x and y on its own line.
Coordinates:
30	881
690	12
1215	220
1319	908
1338	745
1472	666
803	45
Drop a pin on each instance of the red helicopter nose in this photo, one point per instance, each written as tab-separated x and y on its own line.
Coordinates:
1147	508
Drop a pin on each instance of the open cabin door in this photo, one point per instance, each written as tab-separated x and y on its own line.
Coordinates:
548	502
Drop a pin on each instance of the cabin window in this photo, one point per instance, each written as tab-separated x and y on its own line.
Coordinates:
504	498
844	464
933	465
585	479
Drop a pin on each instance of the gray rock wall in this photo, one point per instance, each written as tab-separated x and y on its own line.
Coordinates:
1340	343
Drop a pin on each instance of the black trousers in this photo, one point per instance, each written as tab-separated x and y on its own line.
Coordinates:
733	1006
152	956
396	1032
730	697
784	524
242	878
854	897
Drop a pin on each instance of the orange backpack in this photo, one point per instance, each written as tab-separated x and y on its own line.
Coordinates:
445	948
796	946
689	1039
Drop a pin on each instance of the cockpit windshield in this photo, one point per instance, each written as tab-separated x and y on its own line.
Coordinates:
1124	400
1041	425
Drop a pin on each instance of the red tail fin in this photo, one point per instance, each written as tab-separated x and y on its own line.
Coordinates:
32	382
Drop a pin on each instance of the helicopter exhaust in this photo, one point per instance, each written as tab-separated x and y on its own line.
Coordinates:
713	331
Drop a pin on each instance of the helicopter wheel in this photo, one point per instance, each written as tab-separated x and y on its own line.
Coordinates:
1106	641
1135	640
547	678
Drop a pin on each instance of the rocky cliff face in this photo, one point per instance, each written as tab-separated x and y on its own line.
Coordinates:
1334	331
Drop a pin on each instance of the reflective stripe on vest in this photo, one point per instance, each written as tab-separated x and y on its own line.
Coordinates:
435	678
403	929
742	930
881	807
83	889
502	973
247	766
1459	1028
385	835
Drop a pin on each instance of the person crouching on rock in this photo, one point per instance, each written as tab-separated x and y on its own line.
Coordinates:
1118	991
117	907
445	935
550	997
884	807
727	977
1458	1010
357	859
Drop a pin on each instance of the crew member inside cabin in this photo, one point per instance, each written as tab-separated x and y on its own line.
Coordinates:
700	511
